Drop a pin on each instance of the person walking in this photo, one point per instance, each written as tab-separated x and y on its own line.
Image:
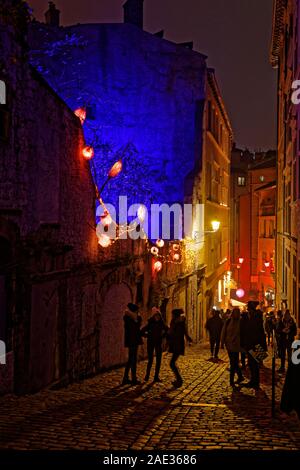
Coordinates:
214	327
230	337
287	330
176	336
154	331
253	336
269	325
132	327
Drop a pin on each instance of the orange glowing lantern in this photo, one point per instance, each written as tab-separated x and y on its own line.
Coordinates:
241	260
160	243
115	169
176	247
157	266
176	257
267	264
88	152
104	241
81	114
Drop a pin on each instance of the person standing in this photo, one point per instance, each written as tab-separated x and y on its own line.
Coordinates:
287	330
176	336
132	329
214	327
253	335
244	318
231	339
154	331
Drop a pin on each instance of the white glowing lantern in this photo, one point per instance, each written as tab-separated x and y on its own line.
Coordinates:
160	243
142	211
104	240
176	257
240	293
106	219
154	251
157	266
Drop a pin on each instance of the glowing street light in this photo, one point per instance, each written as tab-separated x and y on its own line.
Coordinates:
215	225
240	293
241	260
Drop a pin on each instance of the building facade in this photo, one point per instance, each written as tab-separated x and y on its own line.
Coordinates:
253	182
284	57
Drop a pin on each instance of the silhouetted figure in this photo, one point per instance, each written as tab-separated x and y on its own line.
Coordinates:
132	325
154	331
290	399
214	327
269	326
244	317
231	339
287	330
177	334
252	335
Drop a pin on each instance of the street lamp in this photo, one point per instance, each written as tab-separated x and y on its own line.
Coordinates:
215	225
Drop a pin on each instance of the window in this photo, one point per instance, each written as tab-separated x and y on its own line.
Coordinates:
241	181
262	179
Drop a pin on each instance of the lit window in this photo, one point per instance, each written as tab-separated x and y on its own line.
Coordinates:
262	179
241	181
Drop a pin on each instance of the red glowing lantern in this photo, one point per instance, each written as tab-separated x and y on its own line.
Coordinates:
157	266
241	260
88	152
104	241
115	169
81	114
240	293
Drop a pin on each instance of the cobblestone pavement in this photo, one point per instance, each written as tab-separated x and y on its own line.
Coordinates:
98	413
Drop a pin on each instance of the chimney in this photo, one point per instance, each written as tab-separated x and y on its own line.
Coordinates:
133	12
52	15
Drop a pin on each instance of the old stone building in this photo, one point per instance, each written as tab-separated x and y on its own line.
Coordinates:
284	56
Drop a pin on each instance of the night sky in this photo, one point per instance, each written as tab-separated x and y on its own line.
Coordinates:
235	34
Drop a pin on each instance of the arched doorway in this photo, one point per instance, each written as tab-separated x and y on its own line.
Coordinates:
112	351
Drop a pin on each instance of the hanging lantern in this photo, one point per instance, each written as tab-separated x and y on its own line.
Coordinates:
160	243
81	114
106	219
238	267
267	264
157	266
115	169
176	247
142	212
88	152
154	251
176	257
241	260
104	241
240	293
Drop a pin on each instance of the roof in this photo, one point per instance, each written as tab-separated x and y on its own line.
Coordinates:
217	94
267	163
277	24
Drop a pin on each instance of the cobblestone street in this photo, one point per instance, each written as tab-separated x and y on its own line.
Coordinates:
100	414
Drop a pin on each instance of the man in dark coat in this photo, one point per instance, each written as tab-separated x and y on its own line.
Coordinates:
176	336
132	329
214	327
253	334
154	331
287	330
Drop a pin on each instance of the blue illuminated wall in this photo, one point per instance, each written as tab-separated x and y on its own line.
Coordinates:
141	91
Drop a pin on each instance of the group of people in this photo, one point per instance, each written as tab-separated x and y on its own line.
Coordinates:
244	334
155	331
